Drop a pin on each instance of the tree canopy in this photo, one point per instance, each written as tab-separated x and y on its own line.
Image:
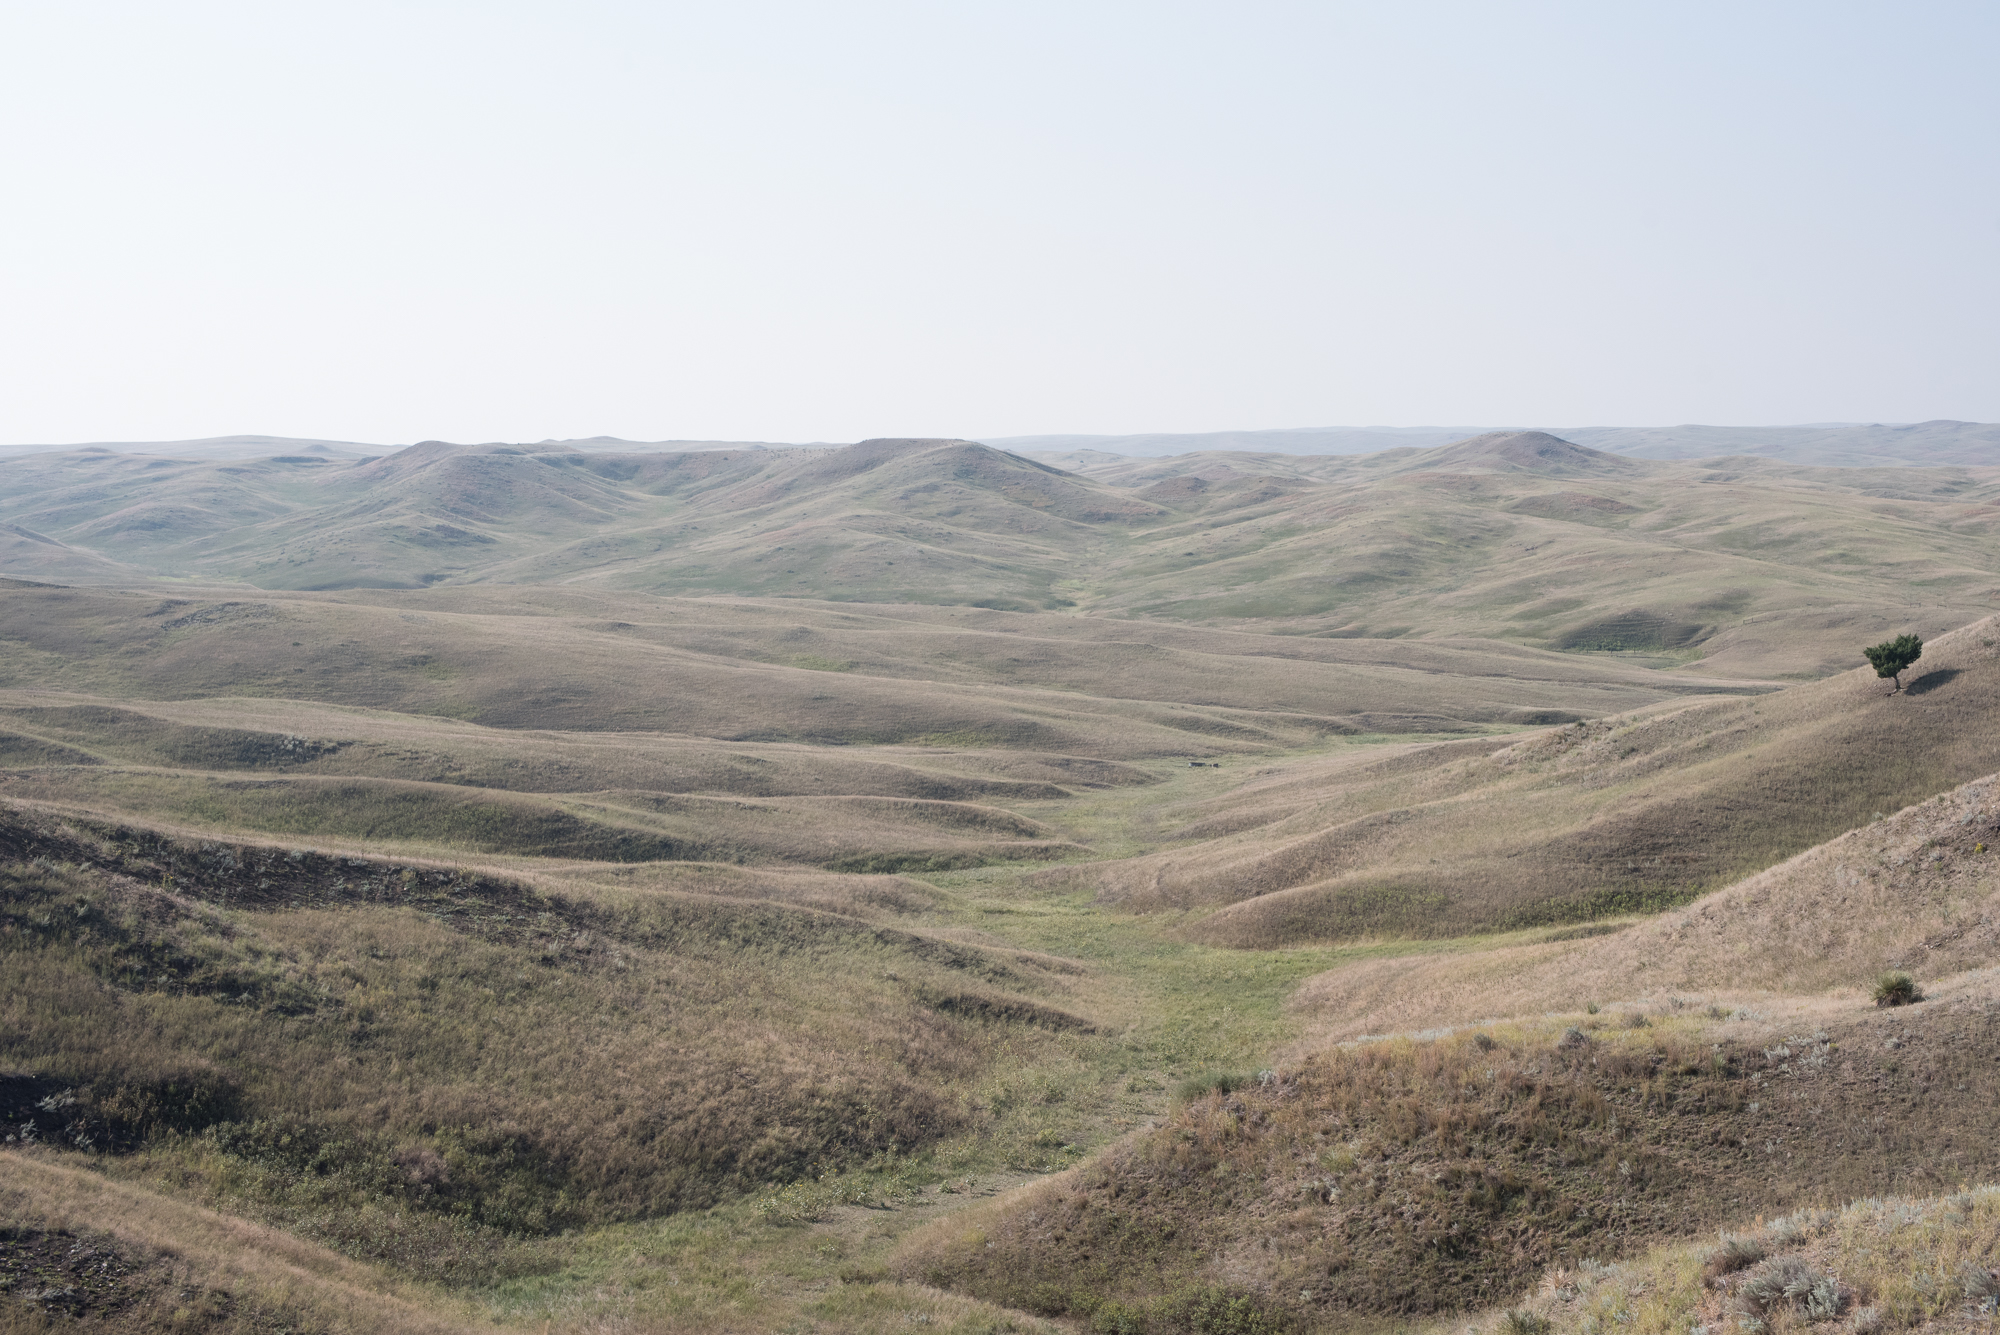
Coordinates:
1891	657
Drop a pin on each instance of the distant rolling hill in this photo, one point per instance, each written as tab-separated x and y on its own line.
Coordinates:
1753	567
1837	444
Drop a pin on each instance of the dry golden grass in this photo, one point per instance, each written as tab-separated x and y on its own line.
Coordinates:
567	1055
1427	1175
959	679
263	736
427	924
862	834
1758	566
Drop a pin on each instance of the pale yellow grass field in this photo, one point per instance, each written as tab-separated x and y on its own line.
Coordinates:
732	669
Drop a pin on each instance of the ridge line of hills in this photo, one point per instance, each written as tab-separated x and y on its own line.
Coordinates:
1940	441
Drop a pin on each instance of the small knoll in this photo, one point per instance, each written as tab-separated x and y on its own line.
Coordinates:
1522	452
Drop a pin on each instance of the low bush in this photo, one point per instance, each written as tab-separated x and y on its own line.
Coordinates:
1787	1282
1896	988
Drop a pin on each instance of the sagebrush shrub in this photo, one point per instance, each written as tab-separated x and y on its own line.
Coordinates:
1788	1281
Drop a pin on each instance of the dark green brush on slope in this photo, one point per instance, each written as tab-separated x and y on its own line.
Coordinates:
1892	658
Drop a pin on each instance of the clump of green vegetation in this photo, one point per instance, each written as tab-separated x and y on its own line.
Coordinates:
1892	658
1896	988
1211	1082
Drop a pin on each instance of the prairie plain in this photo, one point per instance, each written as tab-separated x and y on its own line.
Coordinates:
913	884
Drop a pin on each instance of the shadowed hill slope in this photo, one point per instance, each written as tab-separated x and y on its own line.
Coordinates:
119	1258
1619	815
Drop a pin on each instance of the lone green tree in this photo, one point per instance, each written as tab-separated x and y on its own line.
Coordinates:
1891	657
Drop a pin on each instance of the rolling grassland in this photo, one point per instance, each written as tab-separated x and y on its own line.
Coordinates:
1757	568
910	885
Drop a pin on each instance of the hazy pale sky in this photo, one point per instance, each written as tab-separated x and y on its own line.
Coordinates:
815	221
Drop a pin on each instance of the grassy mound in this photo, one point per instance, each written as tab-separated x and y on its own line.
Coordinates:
1412	1177
79	1251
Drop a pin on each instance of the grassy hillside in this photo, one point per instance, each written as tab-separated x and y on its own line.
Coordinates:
440	1058
764	672
1900	1263
1412	1177
1915	890
79	1250
1633	813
